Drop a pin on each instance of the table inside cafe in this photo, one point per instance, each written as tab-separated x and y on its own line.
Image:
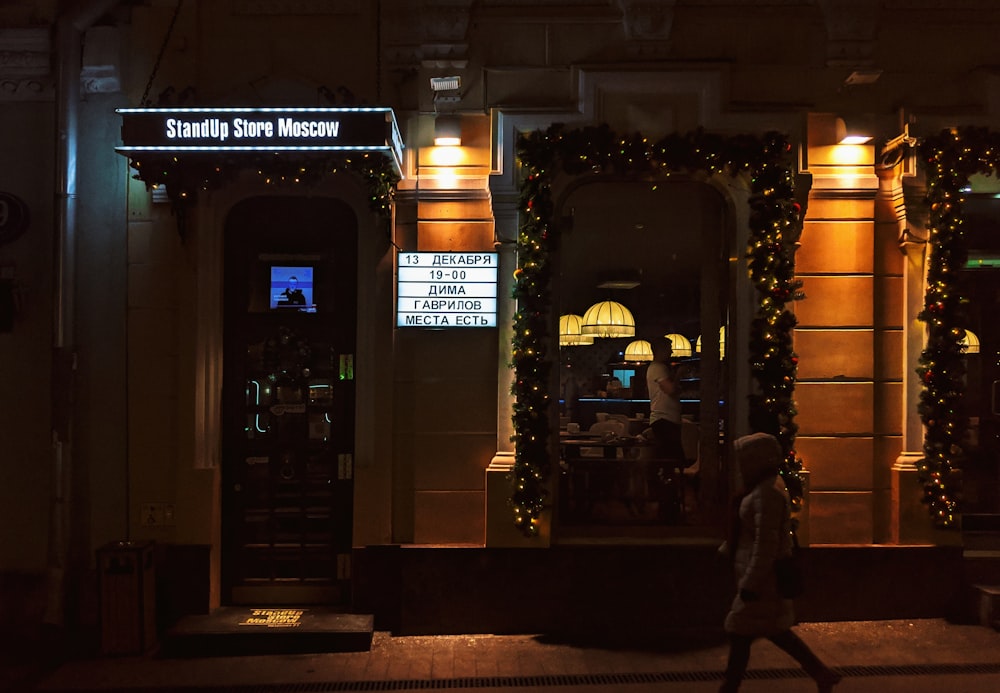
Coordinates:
610	478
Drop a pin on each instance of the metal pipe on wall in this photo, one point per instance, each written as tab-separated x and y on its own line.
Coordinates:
69	45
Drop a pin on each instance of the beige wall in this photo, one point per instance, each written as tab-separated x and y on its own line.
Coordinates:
446	380
850	344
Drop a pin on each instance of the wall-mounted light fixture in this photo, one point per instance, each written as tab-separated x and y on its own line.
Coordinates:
446	89
855	131
447	130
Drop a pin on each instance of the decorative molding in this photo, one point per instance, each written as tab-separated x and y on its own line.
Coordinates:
647	21
851	29
295	7
443	26
25	53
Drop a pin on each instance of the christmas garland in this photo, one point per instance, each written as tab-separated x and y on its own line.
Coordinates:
185	175
952	157
775	225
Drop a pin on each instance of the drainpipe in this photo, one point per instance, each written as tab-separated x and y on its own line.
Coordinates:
69	46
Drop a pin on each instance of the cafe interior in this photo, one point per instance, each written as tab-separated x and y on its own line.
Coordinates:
639	260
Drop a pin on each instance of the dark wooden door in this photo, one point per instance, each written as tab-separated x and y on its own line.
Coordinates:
290	318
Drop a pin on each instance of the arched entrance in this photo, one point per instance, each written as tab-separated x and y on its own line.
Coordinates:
661	249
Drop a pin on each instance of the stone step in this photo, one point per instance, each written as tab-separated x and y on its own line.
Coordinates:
240	630
989	604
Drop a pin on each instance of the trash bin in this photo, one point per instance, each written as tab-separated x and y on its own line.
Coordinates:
128	597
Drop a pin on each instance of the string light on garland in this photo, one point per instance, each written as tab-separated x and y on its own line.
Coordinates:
775	227
952	158
184	176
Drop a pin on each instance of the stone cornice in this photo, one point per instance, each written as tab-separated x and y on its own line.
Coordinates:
25	53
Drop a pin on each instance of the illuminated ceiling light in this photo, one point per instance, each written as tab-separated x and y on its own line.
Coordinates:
681	345
447	131
722	343
608	319
855	139
969	343
639	350
571	331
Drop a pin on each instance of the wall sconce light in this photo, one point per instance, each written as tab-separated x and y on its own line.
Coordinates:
448	130
855	139
608	319
571	331
856	133
681	345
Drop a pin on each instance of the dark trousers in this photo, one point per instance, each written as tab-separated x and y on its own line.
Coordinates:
739	658
665	484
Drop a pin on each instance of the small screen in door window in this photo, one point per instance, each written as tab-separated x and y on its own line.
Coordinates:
292	288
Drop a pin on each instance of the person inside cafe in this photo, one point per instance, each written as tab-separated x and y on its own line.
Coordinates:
665	426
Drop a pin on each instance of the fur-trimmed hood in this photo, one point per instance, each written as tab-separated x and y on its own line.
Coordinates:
759	456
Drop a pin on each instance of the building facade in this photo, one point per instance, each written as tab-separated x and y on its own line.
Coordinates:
157	391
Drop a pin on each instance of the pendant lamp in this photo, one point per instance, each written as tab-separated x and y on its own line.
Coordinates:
722	343
681	344
969	343
570	331
639	350
608	319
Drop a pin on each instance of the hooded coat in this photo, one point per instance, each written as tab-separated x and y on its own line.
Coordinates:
764	534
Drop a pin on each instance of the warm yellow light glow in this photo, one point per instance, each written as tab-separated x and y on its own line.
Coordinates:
722	343
571	331
446	179
681	344
851	155
608	319
639	350
446	156
970	343
856	139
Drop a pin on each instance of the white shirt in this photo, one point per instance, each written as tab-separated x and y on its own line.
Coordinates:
661	405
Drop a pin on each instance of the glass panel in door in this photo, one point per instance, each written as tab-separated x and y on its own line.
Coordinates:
289	401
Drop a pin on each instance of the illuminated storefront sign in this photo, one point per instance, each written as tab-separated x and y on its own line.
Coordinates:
260	130
447	290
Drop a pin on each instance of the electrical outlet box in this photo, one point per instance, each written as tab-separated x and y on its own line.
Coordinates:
158	514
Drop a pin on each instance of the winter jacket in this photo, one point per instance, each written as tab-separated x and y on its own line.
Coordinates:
765	533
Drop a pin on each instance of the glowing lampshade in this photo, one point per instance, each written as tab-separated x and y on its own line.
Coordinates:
608	319
570	331
722	343
681	344
639	350
969	343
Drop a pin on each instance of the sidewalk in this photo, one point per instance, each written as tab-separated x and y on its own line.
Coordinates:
911	655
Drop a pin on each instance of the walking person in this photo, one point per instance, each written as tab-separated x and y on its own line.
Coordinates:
760	533
665	425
